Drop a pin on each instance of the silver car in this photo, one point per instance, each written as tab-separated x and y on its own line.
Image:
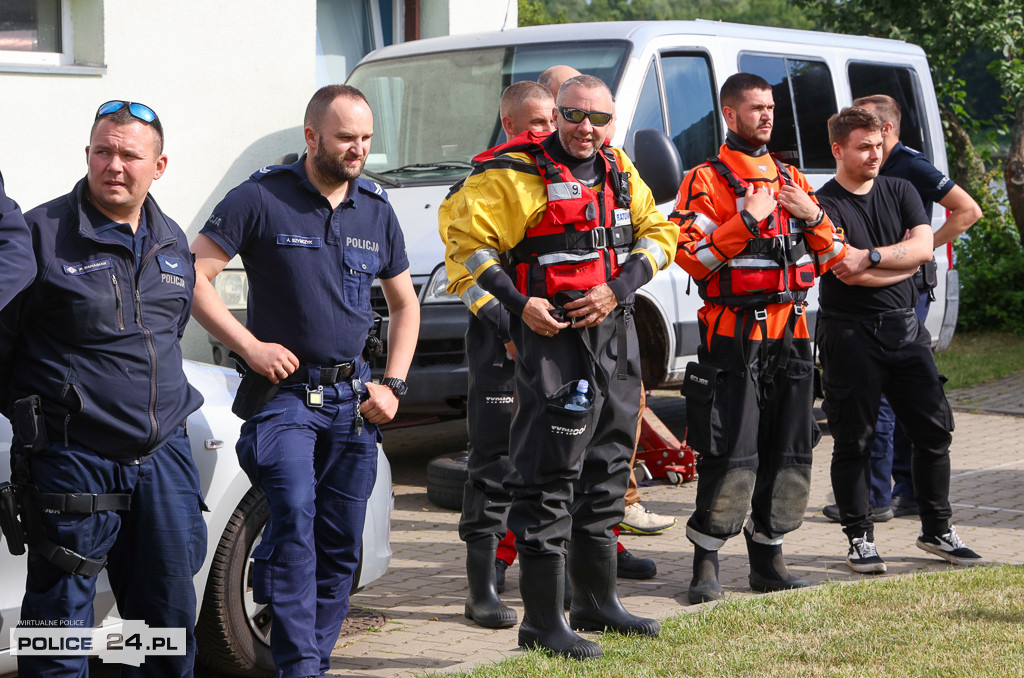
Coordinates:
233	632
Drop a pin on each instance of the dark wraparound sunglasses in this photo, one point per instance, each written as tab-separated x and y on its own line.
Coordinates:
577	115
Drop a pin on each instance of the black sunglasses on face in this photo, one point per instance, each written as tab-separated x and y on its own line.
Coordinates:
577	115
140	111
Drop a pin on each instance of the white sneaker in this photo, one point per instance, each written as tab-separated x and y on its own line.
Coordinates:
863	557
950	547
641	521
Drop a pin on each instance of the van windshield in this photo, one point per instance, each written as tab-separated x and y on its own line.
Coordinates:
433	112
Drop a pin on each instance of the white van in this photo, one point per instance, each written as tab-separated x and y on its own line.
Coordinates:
435	106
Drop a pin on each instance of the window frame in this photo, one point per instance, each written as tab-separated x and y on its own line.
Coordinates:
65	57
919	104
786	58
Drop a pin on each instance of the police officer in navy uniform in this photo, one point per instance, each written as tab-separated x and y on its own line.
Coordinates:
17	265
312	237
94	341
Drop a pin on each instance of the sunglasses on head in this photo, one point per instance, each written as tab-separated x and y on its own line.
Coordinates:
140	111
577	115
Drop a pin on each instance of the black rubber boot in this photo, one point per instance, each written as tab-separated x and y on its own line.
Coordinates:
483	605
767	568
542	583
567	595
595	602
499	574
704	586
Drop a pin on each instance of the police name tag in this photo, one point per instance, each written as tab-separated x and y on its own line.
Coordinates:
299	241
622	217
88	266
568	190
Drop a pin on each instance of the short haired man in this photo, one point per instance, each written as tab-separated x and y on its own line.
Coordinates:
312	236
891	478
94	341
754	238
17	265
872	343
552	78
525	107
569	296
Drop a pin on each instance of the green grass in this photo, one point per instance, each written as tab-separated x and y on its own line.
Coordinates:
973	359
964	622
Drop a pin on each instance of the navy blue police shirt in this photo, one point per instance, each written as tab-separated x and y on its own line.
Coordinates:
931	184
309	267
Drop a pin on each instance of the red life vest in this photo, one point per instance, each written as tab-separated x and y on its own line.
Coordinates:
774	267
585	234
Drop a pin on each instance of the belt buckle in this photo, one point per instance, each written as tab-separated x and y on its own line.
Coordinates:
315	396
599	240
760	314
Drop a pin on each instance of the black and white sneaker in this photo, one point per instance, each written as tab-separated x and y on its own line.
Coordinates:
863	557
950	547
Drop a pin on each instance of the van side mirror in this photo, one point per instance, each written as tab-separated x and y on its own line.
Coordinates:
657	160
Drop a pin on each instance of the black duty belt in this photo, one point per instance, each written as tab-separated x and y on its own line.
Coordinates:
329	374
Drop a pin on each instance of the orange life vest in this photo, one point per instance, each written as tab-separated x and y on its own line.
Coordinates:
776	266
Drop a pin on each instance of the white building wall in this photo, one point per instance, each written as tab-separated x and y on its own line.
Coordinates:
229	79
456	17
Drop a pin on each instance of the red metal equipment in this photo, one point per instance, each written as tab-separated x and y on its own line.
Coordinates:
661	451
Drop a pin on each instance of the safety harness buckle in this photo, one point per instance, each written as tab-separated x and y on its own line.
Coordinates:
760	314
599	238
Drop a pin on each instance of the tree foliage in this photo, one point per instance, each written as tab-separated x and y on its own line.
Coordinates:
761	12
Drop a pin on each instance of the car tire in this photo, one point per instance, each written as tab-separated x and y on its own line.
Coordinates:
233	632
446	479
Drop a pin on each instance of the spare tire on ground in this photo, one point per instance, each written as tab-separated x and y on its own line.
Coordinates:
446	477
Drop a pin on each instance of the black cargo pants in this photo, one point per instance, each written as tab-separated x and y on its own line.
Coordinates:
571	468
862	359
485	501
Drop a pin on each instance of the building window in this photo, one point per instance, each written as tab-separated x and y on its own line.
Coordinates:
32	32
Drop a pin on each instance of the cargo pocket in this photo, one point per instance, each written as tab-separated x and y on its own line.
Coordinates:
833	405
704	423
568	432
262	573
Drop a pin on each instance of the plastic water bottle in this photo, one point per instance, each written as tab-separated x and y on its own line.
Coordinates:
579	400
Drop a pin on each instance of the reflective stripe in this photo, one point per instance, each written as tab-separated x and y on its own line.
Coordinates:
652	248
622	257
565	258
479	258
567	190
472	295
704	223
752	261
707	258
804	260
490	302
828	255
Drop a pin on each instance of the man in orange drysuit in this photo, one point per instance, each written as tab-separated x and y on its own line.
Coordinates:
754	238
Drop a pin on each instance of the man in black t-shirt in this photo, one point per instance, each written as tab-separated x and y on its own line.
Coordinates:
872	344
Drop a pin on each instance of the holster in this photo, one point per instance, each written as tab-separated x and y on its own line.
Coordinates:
10	514
253	393
29	424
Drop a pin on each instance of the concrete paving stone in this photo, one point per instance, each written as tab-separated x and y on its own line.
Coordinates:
423	593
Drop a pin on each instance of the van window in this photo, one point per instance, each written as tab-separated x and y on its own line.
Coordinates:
434	112
899	82
692	116
648	113
804	101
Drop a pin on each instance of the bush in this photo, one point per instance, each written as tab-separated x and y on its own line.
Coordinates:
990	259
